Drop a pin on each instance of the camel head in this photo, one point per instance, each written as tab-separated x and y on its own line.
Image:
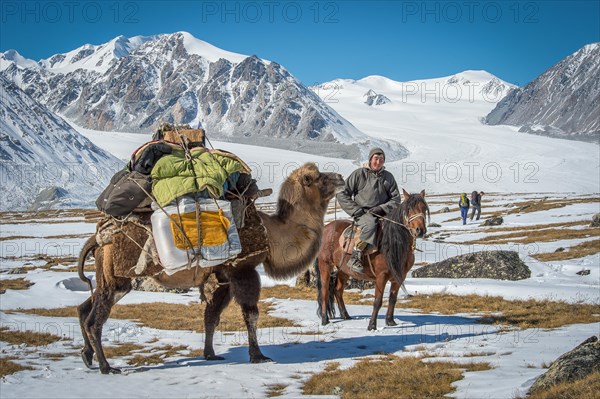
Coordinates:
308	185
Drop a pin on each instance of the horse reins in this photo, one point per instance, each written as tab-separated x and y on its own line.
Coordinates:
411	231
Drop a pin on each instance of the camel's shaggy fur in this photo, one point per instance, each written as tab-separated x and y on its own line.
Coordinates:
286	243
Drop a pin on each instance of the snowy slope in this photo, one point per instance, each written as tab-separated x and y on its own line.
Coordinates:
94	58
564	101
451	150
39	151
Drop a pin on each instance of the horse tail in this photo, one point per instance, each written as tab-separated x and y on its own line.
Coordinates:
330	308
90	245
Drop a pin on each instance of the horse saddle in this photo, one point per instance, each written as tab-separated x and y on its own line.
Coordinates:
348	238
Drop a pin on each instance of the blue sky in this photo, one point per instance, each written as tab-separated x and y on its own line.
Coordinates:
318	41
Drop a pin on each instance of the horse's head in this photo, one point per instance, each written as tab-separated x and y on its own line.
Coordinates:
413	211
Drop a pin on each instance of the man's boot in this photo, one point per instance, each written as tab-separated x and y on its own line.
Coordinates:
355	261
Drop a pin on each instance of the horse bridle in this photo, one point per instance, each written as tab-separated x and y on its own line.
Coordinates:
413	217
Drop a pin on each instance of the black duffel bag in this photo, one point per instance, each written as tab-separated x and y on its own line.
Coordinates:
125	192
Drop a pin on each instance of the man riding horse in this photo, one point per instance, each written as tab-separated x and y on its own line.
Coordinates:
370	191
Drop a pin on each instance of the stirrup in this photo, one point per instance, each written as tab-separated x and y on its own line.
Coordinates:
355	263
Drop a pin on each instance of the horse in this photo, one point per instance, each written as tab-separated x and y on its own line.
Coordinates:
397	234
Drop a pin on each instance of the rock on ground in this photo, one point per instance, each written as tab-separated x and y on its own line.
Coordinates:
572	366
494	221
499	265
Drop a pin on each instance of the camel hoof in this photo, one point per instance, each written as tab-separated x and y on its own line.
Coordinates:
372	327
260	359
391	323
110	370
213	357
347	317
324	322
87	357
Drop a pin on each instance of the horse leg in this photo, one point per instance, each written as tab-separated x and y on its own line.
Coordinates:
212	316
340	284
245	286
379	287
104	299
389	316
87	353
324	274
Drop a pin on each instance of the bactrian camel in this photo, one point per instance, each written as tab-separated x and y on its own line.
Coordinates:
293	236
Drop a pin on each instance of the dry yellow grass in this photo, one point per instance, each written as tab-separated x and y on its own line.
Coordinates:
50	216
121	350
586	388
14	284
545	205
274	390
52	261
7	366
158	355
532	227
494	310
29	338
390	376
297	292
169	316
144	356
285	292
577	251
528	237
497	310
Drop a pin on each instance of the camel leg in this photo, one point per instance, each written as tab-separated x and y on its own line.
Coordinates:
245	286
87	353
340	284
212	316
379	287
324	272
389	316
104	299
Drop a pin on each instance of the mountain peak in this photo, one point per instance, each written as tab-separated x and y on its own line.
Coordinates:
204	49
561	102
10	57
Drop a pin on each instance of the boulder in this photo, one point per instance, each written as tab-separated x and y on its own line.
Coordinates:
499	265
434	225
445	210
572	366
596	220
493	221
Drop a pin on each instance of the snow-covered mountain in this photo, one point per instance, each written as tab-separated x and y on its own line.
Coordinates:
467	86
439	122
373	98
43	160
562	102
135	84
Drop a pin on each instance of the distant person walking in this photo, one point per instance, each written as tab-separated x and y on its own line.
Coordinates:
463	204
476	204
